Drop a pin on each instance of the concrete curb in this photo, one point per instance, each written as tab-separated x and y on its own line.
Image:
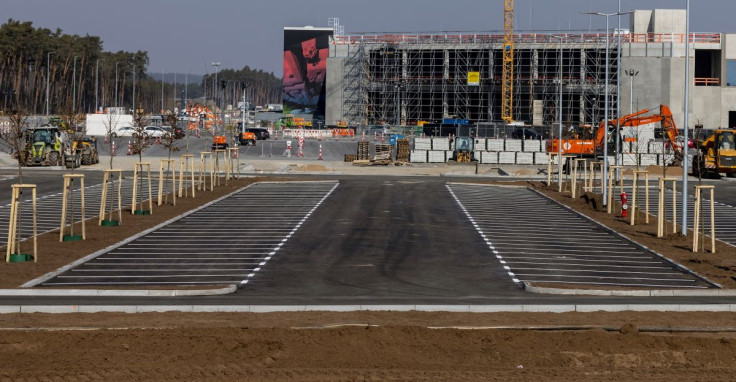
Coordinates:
673	263
50	275
562	308
633	293
119	292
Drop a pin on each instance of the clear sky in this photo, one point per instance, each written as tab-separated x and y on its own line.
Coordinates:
186	36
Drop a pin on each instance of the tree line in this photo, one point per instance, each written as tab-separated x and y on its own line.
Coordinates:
81	76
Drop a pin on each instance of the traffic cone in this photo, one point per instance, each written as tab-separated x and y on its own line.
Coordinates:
235	153
129	153
158	140
320	153
113	148
105	138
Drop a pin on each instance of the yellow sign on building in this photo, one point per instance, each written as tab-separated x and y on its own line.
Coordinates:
473	78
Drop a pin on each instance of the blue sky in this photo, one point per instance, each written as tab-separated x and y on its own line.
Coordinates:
185	36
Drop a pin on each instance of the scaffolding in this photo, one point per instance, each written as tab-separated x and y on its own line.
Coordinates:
401	79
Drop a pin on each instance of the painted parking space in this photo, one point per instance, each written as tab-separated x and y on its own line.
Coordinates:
48	208
537	240
725	214
227	242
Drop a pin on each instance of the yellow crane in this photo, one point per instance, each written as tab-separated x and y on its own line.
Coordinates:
507	80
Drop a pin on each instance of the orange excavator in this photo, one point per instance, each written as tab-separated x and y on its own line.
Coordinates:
589	147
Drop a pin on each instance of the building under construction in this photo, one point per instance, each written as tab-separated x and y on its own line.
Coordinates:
408	78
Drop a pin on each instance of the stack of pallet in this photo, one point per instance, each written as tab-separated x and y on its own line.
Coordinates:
383	154
350	157
402	150
364	150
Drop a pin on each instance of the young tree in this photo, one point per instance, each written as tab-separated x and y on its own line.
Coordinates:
69	128
15	139
171	140
140	142
111	125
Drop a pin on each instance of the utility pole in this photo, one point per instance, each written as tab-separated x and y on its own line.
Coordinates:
163	74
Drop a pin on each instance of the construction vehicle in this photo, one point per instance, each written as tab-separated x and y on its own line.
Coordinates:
463	149
247	138
86	149
716	154
630	123
44	147
219	142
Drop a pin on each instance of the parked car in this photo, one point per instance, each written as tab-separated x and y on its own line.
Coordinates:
525	134
154	132
125	131
261	134
177	132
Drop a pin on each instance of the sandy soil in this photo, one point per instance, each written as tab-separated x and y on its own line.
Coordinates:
320	346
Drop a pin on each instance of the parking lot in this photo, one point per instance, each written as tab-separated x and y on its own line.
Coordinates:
227	242
538	241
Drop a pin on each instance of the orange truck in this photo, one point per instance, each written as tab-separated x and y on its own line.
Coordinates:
589	147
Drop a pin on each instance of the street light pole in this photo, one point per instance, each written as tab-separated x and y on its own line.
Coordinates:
134	91
116	84
686	147
559	118
605	113
48	75
163	74
97	73
632	73
74	86
216	88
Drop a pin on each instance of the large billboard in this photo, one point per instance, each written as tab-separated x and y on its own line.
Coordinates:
305	70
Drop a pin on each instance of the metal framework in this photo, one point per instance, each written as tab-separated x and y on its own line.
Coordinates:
405	79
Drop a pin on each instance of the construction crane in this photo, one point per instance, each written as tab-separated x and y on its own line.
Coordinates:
507	81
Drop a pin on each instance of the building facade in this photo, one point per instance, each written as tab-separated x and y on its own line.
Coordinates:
409	78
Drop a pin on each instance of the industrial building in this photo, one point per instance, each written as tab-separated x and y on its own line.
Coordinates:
408	78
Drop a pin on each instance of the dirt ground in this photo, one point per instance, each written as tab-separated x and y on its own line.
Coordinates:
369	346
363	346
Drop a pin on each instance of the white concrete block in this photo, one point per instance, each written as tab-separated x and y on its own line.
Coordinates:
418	156
435	156
543	144
629	159
440	144
524	158
656	147
647	159
480	144
422	143
448	155
541	158
532	145
506	157
514	145
489	157
493	144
